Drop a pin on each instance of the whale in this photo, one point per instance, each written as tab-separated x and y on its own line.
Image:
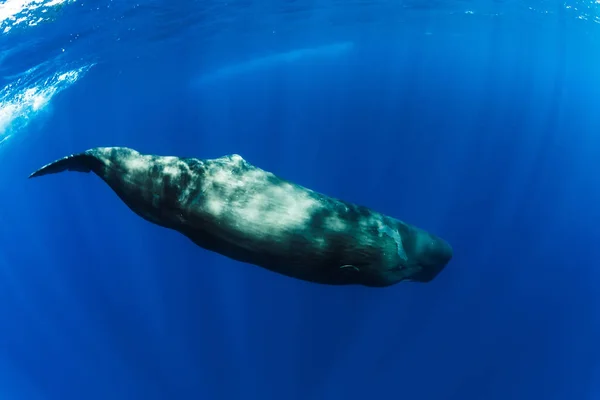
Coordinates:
231	207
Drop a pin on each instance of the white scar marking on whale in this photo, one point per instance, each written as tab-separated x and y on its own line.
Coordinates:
215	206
171	170
250	202
334	223
384	229
133	164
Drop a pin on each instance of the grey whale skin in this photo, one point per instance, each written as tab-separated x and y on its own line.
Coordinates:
231	207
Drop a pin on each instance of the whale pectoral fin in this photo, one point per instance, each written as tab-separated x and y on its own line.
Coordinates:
76	162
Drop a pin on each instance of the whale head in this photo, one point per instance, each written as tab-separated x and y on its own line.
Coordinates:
431	254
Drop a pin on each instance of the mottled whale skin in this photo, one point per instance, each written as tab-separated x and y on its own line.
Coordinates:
227	205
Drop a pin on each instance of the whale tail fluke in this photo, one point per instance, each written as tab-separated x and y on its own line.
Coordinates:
82	162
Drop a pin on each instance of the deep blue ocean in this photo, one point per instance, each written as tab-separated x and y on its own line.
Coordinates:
476	120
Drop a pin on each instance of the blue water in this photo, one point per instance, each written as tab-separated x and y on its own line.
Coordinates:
476	120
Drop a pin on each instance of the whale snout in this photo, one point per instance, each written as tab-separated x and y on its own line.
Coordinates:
440	251
433	254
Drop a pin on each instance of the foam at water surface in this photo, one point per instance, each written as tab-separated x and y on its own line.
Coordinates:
26	12
28	92
24	98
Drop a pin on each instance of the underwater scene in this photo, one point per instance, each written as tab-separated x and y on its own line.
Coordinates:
299	199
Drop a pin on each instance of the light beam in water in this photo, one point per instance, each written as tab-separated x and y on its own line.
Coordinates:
332	50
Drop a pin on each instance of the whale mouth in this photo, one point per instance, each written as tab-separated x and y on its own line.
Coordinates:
435	262
427	273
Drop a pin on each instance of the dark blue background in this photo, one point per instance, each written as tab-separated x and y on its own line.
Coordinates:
482	129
